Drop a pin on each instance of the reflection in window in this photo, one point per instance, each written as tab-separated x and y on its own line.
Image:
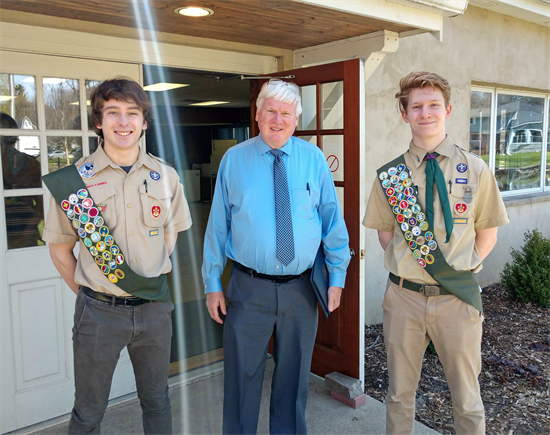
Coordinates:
308	118
18	99
518	141
90	87
93	143
332	97
21	162
24	221
310	139
62	103
480	123
63	151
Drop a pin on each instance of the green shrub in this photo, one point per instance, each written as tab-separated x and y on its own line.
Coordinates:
528	277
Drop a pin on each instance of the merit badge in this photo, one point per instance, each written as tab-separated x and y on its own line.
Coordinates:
416	254
396	209
102	207
429	236
404	226
82	194
94	251
412	200
412	244
394	179
401	167
112	263
154	175
425	250
461	167
461	180
408	235
78	209
392	171
461	208
407	183
430	259
104	231
400	196
73	199
70	214
392	200
105	269
98	221
100	260
82	232
424	226
420	240
421	262
119	259
107	255
95	237
415	209
65	205
400	218
432	244
403	204
420	216
398	187
467	194
87	171
109	240
412	222
403	176
93	212
84	218
90	228
155	210
87	242
416	231
115	250
386	184
119	273
87	203
76	223
390	191
113	278
409	191
407	213
101	246
383	175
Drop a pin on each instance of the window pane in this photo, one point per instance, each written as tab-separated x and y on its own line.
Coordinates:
518	142
90	87
310	139
24	221
61	103
333	149
340	195
21	162
480	123
18	99
62	151
93	143
308	118
332	97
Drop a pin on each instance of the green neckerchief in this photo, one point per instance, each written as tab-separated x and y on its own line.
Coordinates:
433	173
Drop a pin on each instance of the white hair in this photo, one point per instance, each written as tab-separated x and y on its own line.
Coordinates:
279	90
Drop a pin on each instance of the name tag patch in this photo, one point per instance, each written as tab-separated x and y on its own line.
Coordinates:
461	180
460	220
153	233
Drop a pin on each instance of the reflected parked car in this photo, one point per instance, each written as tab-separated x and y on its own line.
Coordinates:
57	153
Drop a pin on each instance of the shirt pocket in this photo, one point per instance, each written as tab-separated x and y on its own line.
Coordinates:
155	201
304	203
105	200
463	202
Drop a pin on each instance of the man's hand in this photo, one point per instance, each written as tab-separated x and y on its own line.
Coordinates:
334	294
217	299
65	262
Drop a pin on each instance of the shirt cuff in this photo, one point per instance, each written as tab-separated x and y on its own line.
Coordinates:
213	285
178	227
379	226
51	237
337	279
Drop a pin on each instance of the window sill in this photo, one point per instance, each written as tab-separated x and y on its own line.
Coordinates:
532	198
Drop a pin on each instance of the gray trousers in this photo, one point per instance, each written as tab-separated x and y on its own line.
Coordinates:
258	309
101	330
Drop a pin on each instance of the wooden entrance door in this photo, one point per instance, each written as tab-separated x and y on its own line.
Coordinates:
331	119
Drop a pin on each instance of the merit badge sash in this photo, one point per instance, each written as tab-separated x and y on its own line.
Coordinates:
72	195
397	183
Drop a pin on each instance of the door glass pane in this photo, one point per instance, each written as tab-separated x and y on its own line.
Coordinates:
61	103
90	87
332	105
310	139
62	150
21	162
333	148
480	123
24	221
308	118
93	143
340	195
18	100
518	141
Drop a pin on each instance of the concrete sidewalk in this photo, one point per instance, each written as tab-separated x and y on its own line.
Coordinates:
197	409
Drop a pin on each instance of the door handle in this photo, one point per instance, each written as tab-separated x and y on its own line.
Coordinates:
351	253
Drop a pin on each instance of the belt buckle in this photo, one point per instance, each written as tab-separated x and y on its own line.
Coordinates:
127	300
430	290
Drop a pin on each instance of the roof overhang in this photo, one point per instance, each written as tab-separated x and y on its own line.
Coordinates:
534	11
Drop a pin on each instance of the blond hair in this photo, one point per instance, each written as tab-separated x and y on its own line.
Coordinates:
422	79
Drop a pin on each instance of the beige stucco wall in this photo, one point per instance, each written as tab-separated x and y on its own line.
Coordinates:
479	47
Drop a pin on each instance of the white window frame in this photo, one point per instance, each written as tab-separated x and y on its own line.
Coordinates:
495	92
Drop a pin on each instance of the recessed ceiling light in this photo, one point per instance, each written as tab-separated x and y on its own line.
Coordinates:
157	87
209	103
6	97
194	11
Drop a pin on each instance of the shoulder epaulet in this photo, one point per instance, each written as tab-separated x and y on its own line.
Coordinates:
475	155
160	160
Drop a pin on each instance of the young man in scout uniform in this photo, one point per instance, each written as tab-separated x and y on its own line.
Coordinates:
436	209
126	208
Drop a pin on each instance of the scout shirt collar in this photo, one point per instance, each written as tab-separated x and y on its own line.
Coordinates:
262	147
101	160
445	148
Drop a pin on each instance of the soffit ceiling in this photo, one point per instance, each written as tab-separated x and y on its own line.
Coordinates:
274	23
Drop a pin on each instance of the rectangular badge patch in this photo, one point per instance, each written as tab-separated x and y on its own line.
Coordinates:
461	180
460	220
156	232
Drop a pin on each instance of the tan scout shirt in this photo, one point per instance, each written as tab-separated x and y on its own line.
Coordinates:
131	205
486	210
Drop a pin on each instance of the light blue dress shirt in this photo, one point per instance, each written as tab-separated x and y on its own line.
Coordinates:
242	218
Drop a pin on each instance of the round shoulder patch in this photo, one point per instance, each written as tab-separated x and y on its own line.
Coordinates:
154	175
87	170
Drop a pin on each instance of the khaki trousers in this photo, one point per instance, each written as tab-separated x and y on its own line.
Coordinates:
410	321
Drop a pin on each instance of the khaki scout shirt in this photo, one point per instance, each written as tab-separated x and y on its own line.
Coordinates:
130	204
486	210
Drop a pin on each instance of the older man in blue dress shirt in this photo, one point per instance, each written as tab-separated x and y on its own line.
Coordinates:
270	213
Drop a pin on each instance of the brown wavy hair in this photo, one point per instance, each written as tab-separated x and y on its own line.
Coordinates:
422	79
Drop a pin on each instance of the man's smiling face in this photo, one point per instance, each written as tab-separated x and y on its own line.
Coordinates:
277	122
122	123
